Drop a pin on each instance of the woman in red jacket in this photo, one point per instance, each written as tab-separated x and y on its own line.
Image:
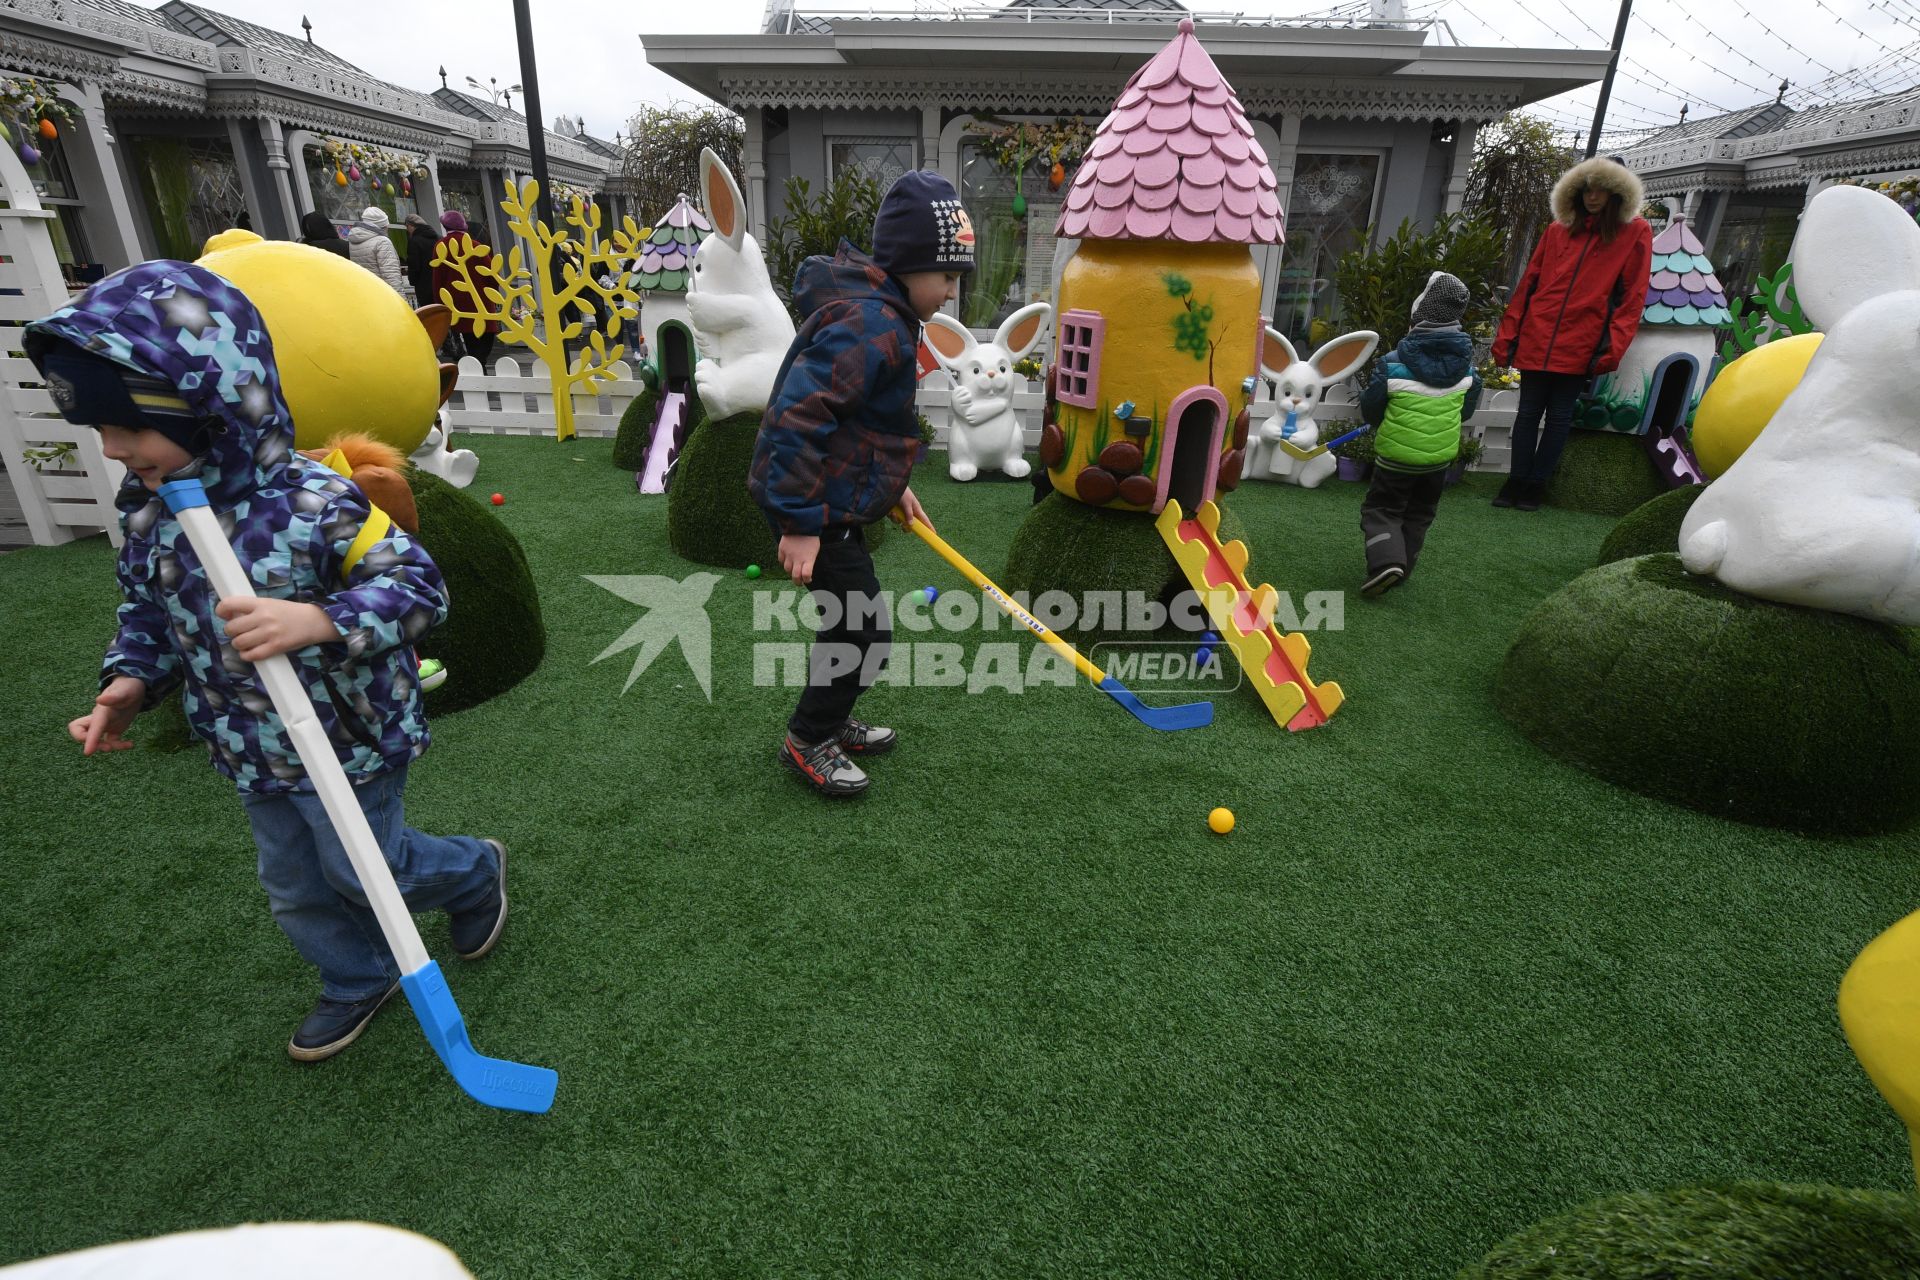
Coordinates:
1575	311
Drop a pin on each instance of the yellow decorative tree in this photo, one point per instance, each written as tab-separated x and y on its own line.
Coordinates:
545	318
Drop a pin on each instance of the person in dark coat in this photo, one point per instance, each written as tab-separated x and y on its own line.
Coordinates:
318	230
1573	314
420	241
460	234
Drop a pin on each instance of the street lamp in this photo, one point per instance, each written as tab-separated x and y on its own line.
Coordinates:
494	92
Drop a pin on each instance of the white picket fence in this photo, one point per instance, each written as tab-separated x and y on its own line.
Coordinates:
507	401
43	501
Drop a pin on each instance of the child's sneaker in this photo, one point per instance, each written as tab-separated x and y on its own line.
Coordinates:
333	1025
474	932
825	765
861	739
1382	580
433	674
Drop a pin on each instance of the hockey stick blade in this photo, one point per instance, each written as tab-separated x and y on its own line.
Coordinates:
1188	715
510	1086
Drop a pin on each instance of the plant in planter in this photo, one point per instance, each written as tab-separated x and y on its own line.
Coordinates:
1355	457
1470	451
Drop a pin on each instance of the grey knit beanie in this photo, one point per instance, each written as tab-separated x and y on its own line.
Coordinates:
1442	303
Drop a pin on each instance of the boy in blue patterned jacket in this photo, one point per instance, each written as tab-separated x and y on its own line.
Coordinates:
837	444
176	370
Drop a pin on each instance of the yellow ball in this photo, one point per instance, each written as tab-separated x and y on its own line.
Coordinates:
1221	820
352	355
1743	398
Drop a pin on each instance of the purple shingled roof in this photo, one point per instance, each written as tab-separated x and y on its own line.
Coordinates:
1682	288
1175	160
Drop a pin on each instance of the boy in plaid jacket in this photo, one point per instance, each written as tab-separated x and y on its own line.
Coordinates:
837	445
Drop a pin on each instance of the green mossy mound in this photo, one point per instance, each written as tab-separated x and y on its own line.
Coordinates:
493	637
1675	687
711	519
1652	528
1064	545
1605	473
636	428
1733	1231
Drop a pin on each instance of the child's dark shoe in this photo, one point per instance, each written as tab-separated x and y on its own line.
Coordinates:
1382	580
333	1025
1509	493
474	932
860	739
1531	495
825	766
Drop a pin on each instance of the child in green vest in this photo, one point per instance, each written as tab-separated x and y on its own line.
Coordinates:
1419	394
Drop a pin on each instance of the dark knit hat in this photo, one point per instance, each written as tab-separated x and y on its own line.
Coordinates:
1442	303
91	390
922	227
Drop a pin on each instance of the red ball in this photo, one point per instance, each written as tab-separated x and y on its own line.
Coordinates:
499	500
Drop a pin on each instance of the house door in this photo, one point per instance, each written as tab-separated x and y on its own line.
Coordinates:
676	357
1191	449
1671	394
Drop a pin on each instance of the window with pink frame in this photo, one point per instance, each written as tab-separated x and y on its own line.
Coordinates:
1077	372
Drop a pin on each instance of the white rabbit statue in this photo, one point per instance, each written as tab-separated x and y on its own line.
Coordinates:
983	432
739	326
1299	387
456	466
1823	509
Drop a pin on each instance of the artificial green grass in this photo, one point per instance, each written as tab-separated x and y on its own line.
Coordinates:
1603	473
493	637
1677	687
711	518
636	428
1016	1012
1652	528
1741	1231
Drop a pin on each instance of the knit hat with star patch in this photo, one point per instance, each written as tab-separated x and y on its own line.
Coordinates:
922	227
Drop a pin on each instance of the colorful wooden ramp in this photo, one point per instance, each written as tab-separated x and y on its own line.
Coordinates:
1275	664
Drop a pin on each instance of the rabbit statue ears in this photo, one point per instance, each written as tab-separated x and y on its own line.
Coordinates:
1821	509
1339	359
721	196
950	341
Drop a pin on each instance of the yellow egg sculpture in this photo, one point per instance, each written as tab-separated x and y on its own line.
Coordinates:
352	355
1743	398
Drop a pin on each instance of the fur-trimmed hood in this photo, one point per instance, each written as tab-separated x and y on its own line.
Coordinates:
1599	171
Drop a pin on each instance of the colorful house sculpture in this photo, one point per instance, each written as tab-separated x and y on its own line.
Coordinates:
1159	327
661	276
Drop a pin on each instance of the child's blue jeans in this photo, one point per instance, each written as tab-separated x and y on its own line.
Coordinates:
317	899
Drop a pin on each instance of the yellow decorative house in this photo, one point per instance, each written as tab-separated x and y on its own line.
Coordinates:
1159	326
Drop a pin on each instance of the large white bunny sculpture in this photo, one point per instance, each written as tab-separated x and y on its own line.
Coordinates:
1299	388
739	326
983	432
1823	509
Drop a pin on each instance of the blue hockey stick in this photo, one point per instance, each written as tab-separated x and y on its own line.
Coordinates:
512	1086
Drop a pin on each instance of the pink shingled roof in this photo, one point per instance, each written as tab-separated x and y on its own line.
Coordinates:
1175	160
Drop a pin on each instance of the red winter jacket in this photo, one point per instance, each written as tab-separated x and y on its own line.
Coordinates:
1578	305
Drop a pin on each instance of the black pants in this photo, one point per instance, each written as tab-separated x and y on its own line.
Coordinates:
1537	454
838	667
480	348
1398	510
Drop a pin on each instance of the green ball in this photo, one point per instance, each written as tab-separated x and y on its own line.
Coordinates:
753	571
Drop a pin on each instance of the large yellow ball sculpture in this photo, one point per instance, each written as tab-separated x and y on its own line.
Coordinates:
1743	398
352	355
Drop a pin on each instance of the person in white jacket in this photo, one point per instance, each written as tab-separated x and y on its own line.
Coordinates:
369	245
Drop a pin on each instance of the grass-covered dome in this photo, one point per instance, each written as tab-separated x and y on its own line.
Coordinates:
636	428
1676	687
1605	473
493	637
1733	1231
1651	528
711	518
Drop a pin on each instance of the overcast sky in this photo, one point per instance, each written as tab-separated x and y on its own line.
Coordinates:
1713	56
